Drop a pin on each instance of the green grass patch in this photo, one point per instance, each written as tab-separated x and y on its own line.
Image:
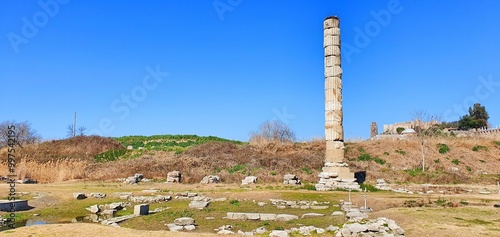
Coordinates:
368	187
364	157
379	161
496	143
455	161
479	148
241	168
443	148
110	155
175	143
401	152
414	172
308	186
235	202
306	170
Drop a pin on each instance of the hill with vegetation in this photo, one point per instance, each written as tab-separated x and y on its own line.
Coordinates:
447	159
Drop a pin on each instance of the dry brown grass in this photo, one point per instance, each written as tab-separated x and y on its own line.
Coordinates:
403	155
73	159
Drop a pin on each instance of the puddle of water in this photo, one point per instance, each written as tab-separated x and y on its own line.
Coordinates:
35	222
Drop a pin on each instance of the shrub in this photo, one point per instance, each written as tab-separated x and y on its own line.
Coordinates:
110	155
379	161
437	161
235	202
443	148
497	143
237	168
414	172
364	157
386	153
399	151
306	170
369	188
308	186
399	130
468	168
482	161
441	201
273	173
455	161
479	147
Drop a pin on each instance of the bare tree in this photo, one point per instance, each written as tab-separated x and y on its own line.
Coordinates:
70	132
274	130
82	131
424	126
24	133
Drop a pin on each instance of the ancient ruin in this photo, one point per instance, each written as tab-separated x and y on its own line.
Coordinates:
336	173
373	129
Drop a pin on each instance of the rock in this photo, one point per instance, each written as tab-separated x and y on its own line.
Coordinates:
79	196
278	233
249	180
286	217
319	207
184	221
225	232
291	179
311	215
174	177
97	195
267	217
189	227
198	204
497	205
337	213
260	230
175	227
141	210
332	228
261	204
210	179
252	216
93	209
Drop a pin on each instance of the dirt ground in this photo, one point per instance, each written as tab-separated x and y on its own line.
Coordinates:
473	216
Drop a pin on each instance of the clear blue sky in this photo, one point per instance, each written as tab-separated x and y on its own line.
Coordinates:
233	64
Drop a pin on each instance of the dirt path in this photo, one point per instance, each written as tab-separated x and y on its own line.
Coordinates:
85	230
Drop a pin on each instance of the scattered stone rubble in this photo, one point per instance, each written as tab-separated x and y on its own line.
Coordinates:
329	181
210	179
136	179
149	199
382	185
282	204
291	179
80	196
249	180
174	177
200	202
377	227
182	223
260	216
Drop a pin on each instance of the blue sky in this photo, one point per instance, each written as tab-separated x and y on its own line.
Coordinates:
222	67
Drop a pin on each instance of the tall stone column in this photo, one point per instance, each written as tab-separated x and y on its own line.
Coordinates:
335	173
334	131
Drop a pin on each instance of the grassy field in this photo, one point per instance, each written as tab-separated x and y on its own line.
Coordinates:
472	214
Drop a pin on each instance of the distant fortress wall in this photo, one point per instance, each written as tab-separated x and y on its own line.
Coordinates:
391	128
491	133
